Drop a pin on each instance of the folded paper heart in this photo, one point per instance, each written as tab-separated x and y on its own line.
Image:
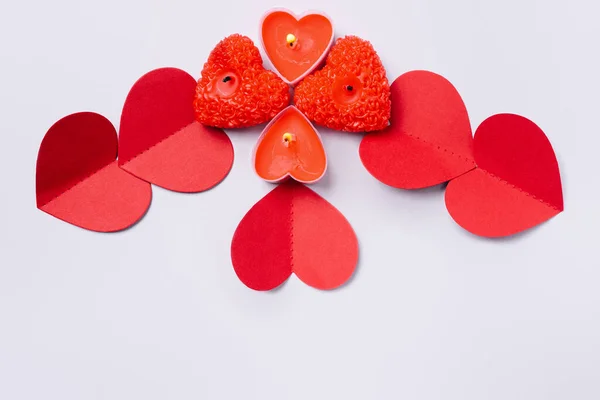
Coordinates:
78	179
290	146
293	229
351	93
235	90
516	184
159	140
295	45
429	140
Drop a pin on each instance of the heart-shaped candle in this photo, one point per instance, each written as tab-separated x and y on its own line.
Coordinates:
295	45
351	93
290	147
293	229
78	179
235	90
516	184
429	140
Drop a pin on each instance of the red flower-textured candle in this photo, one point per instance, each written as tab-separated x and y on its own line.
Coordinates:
235	90
290	147
351	93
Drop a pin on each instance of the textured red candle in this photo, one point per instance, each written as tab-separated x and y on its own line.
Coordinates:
351	93
235	90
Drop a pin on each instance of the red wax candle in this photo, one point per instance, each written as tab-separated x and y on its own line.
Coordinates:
295	46
290	146
233	82
351	92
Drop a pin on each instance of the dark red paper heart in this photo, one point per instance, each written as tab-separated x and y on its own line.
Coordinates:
429	139
159	140
78	180
293	229
517	182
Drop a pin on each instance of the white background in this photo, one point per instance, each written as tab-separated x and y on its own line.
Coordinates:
157	312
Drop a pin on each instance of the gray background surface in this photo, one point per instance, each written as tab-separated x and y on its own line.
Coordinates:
157	312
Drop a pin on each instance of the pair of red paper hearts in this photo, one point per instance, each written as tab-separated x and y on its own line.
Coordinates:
503	181
80	180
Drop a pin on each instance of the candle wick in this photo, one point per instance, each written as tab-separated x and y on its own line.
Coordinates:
349	88
288	138
291	39
226	79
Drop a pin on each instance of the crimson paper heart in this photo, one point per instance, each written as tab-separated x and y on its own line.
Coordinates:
516	185
78	179
159	140
429	140
293	229
351	93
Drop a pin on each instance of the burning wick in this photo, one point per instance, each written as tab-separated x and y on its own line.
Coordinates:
288	138
291	39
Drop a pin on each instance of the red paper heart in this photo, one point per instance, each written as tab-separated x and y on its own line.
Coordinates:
290	146
293	229
516	185
351	93
78	180
235	90
313	33
429	140
160	142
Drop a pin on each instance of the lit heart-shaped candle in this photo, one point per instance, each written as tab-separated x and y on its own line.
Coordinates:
295	45
290	146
